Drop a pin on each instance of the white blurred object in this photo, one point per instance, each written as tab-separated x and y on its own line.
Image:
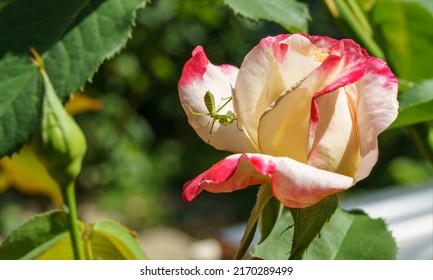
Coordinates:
166	243
207	249
408	213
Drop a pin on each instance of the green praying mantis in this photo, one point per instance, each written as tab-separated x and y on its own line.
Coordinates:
213	112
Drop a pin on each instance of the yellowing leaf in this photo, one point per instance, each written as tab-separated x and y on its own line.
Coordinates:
109	240
36	237
81	103
28	175
61	250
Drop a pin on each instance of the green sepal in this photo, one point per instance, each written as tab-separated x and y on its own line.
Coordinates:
59	142
269	217
263	196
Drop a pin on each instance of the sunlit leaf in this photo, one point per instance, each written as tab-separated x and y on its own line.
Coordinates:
416	105
427	4
290	14
62	250
109	240
402	29
43	235
46	236
81	103
24	172
353	236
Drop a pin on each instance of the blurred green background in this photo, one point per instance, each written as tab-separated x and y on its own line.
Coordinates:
141	149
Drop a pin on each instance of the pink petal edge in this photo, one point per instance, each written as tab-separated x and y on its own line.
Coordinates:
195	67
293	183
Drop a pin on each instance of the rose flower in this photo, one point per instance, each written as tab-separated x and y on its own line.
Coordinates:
302	113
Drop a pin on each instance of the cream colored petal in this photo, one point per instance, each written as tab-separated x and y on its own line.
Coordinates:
287	126
271	67
231	73
283	129
335	147
377	109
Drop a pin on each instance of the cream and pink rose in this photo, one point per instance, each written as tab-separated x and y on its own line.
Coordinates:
309	110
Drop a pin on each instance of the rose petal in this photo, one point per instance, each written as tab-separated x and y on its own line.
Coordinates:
294	184
377	109
231	73
335	147
289	126
198	77
322	41
267	70
230	174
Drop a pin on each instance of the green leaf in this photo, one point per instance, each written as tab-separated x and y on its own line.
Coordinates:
278	243
308	223
408	171
422	136
44	236
269	217
353	236
73	40
109	240
290	14
5	3
415	105
295	229
347	235
402	31
427	4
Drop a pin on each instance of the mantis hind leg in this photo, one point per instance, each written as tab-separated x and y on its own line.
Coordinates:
197	113
212	126
210	131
